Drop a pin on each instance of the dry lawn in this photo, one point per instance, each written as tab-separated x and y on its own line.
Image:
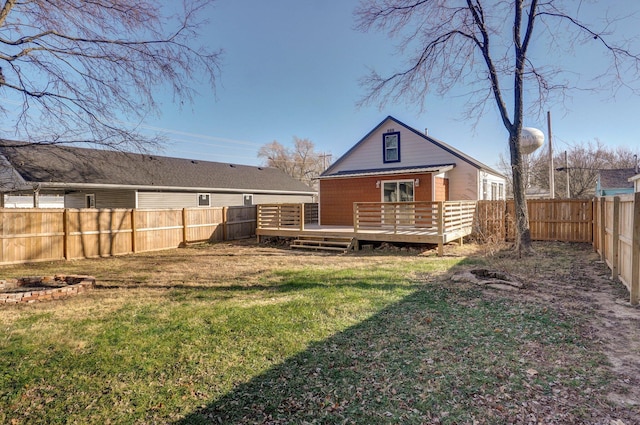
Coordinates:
563	278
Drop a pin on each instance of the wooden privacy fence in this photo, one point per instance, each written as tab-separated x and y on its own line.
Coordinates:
569	220
617	239
30	235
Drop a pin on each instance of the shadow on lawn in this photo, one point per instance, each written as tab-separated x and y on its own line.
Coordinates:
434	357
369	373
292	282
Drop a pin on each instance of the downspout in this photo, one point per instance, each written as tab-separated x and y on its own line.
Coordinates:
36	195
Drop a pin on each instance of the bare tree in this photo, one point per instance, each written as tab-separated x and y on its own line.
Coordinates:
483	47
585	160
74	70
302	162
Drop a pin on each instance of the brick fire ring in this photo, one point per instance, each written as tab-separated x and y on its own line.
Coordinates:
43	288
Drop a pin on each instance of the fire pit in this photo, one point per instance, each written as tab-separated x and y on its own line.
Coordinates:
43	288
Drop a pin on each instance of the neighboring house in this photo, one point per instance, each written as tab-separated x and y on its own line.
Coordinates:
635	181
94	178
615	182
396	163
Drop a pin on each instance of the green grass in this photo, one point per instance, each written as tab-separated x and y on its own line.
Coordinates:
350	344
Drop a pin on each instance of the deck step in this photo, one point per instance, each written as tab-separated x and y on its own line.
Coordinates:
323	243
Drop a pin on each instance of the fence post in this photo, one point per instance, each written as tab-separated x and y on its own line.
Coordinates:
134	233
65	230
634	290
184	226
615	237
225	231
594	225
603	228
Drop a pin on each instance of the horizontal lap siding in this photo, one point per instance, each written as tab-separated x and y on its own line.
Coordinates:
103	198
338	195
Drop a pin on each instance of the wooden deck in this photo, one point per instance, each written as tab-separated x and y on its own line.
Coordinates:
435	223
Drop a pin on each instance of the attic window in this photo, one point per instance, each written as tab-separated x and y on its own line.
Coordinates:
391	147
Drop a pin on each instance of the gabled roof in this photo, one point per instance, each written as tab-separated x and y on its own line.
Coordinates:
616	178
477	164
64	166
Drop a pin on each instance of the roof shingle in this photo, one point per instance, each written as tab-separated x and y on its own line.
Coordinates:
73	165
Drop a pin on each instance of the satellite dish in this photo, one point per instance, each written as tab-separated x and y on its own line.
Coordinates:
530	140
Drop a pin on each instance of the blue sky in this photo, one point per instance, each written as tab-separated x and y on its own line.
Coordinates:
292	68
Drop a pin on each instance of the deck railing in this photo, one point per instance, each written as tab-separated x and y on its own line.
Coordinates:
396	217
280	216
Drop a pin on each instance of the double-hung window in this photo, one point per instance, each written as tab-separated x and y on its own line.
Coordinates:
391	147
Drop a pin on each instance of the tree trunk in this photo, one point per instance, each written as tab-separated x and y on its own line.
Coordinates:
523	233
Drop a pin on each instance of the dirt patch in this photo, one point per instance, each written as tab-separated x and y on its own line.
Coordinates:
571	279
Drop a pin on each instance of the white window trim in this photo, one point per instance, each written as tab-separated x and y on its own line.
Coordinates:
397	182
208	196
90	200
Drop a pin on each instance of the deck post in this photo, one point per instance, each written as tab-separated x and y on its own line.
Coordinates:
440	229
634	290
302	217
355	217
616	237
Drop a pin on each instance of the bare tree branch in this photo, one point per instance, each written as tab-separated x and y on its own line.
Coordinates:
78	67
484	47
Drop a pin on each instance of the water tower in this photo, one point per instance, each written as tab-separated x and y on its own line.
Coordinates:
530	140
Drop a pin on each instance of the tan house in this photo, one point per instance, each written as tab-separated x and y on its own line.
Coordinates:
397	163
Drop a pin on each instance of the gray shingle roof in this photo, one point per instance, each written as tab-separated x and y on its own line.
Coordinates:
38	163
616	179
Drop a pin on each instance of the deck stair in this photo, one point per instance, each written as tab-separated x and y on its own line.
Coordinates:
324	243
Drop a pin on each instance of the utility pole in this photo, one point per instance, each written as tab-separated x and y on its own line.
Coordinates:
324	157
566	168
552	182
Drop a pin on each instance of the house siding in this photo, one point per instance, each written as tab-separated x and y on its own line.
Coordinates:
490	179
338	195
190	200
167	200
103	199
415	151
418	150
281	199
463	182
